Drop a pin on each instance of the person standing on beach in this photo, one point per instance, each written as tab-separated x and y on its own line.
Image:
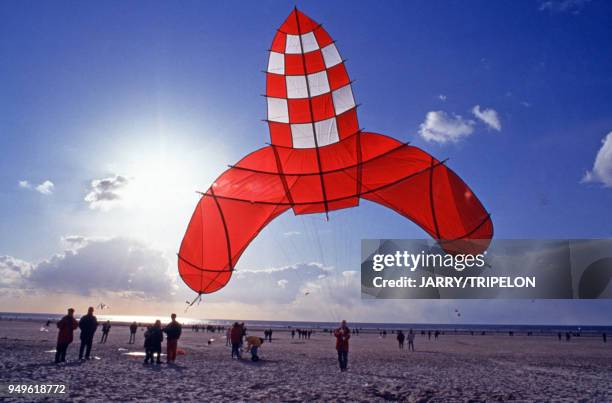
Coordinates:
88	325
67	325
173	334
105	329
236	339
292	333
411	340
228	335
133	329
400	339
342	334
154	336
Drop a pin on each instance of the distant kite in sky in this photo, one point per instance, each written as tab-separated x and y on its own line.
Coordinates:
319	160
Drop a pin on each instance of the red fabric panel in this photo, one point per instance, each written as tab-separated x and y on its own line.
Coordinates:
280	134
347	123
323	38
337	76
205	245
314	61
306	23
306	189
276	86
322	107
279	42
408	171
339	155
294	65
262	159
290	25
299	110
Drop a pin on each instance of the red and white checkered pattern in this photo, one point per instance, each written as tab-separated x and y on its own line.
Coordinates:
307	87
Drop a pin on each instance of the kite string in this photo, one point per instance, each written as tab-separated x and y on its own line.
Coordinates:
197	299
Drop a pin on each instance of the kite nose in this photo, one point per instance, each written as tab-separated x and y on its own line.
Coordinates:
309	94
298	23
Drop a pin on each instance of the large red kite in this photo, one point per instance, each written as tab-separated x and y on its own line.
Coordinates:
318	161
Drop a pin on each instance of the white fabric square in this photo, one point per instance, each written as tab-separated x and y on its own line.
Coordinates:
302	135
343	99
276	63
331	55
318	83
309	42
293	45
278	110
327	132
296	87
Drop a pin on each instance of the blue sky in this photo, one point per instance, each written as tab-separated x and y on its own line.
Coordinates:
164	95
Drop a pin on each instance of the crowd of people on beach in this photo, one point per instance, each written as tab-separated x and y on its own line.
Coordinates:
88	325
236	337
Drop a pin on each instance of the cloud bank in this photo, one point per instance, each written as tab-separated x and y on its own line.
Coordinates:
94	266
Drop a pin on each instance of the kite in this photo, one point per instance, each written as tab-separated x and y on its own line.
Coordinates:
319	160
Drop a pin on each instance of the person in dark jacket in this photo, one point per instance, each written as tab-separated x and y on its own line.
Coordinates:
236	339
400	339
88	325
153	342
342	334
66	327
173	334
133	329
105	329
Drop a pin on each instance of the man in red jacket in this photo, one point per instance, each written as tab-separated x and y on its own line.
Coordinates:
66	327
343	334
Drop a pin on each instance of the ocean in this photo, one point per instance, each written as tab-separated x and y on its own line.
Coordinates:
369	327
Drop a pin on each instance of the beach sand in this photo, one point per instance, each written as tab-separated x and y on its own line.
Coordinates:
453	368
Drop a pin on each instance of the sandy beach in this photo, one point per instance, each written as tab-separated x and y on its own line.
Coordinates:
453	368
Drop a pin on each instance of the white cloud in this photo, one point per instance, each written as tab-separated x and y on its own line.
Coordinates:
282	283
443	128
45	188
487	116
442	97
117	265
106	193
602	167
564	6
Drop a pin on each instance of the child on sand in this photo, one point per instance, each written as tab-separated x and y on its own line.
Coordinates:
153	342
253	344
